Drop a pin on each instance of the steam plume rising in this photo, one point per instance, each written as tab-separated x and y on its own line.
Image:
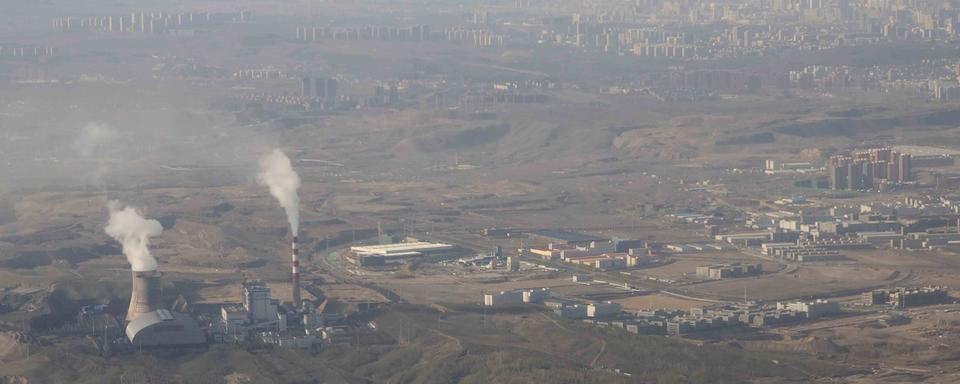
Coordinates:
277	174
127	226
93	138
92	143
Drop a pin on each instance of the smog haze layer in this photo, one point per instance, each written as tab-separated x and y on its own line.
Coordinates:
489	191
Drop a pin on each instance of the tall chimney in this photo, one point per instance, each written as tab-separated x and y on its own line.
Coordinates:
145	294
296	273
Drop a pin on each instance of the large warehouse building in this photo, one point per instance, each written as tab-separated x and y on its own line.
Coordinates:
370	255
418	248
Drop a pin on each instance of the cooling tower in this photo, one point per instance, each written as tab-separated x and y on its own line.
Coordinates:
145	294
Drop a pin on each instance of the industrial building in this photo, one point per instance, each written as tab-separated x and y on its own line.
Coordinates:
528	296
501	232
723	271
691	248
258	304
262	318
513	263
774	167
607	309
817	256
625	245
571	311
257	312
803	253
384	253
536	295
924	240
502	298
162	328
559	236
605	255
757	238
843	227
812	309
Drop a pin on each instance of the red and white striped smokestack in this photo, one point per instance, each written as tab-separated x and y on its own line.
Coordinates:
295	272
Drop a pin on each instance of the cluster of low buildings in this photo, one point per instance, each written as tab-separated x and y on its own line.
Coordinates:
725	271
702	319
812	234
577	311
923	240
591	251
749	239
814	250
696	247
563	308
599	256
904	297
523	296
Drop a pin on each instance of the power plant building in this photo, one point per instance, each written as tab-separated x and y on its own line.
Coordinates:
162	328
259	306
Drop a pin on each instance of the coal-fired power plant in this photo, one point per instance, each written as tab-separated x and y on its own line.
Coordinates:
295	272
145	294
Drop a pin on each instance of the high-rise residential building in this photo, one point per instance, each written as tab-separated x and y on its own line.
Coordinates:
905	167
331	90
305	87
867	171
838	177
864	169
854	176
320	87
393	96
880	154
893	173
880	169
379	95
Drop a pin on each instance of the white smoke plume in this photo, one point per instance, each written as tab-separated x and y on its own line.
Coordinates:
91	144
277	174
128	226
94	137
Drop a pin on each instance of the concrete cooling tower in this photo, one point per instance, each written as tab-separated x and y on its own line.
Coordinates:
145	294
